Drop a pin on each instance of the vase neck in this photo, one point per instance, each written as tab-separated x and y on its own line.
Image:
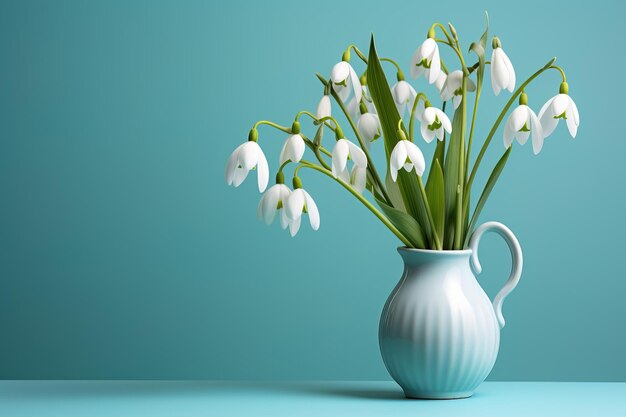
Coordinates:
420	257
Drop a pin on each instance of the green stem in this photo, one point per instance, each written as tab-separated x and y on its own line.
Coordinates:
358	52
315	119
316	150
392	62
370	163
458	229
272	124
412	120
495	126
362	199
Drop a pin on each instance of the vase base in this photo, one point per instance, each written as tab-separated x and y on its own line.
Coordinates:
454	395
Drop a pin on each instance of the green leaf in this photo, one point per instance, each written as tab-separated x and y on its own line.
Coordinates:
393	190
435	195
451	178
406	224
389	118
491	182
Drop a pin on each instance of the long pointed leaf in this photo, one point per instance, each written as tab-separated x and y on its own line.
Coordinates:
435	195
389	118
491	182
406	224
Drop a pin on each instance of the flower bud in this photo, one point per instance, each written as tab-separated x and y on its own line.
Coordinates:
453	31
295	127
564	88
297	183
523	99
253	136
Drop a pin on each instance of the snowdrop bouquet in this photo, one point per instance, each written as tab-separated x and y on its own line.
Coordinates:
432	213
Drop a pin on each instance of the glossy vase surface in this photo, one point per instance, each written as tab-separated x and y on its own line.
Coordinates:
439	332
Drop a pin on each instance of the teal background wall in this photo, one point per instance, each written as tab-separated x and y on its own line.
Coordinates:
123	254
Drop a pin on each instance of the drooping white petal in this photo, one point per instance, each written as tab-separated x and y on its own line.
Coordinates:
369	126
499	73
340	156
293	149
248	155
231	165
268	205
560	104
358	177
342	92
397	159
546	118
427	134
355	83
240	175
511	72
284	220
457	101
508	134
572	118
522	137
262	170
294	226
324	107
441	80
353	108
429	116
313	212
536	131
357	154
445	121
435	65
415	59
519	117
294	204
574	111
416	157
340	72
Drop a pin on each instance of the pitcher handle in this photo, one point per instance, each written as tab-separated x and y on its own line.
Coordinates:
516	267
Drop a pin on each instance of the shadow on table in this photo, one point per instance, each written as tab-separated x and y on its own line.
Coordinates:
77	390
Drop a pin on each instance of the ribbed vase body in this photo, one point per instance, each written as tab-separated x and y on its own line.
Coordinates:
438	333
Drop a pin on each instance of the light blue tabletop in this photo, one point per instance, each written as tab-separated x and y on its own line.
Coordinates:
320	399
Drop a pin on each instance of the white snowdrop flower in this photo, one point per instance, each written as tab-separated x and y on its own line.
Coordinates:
298	202
324	107
502	71
452	87
406	155
293	149
426	61
521	123
272	202
358	178
346	81
343	150
404	95
369	127
245	158
433	123
440	81
558	107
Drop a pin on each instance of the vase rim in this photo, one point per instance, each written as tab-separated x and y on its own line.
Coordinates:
435	252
